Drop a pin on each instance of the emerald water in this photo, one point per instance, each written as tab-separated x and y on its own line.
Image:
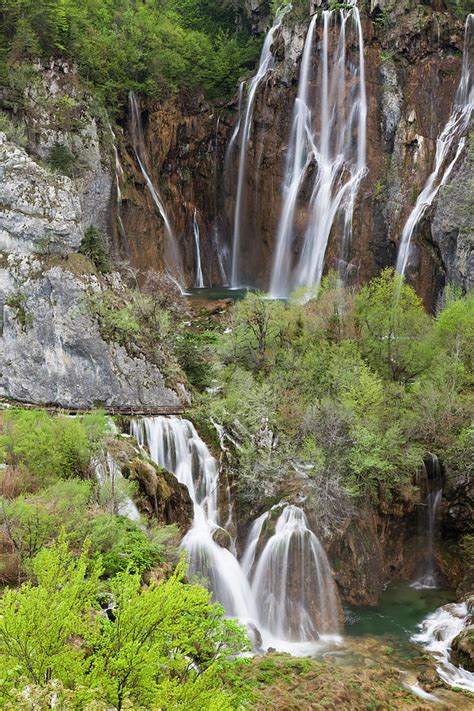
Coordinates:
216	293
401	608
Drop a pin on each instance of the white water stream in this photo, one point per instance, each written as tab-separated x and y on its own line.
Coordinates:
199	282
326	153
437	633
171	252
451	135
244	129
284	585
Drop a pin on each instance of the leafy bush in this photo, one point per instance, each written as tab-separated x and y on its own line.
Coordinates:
51	448
94	246
62	160
164	645
13	131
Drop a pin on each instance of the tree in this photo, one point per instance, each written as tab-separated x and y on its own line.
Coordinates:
392	327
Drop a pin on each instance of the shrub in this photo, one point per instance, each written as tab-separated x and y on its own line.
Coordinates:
94	246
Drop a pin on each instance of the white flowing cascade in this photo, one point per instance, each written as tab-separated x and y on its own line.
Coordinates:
290	562
451	134
432	480
437	633
172	256
244	128
327	147
199	283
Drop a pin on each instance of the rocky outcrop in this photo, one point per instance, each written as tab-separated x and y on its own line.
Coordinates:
163	497
51	347
39	211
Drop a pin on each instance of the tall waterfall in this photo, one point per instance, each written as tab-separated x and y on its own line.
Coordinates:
284	585
197	246
326	154
432	483
244	128
171	251
451	135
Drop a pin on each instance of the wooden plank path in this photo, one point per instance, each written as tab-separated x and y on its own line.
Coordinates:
120	411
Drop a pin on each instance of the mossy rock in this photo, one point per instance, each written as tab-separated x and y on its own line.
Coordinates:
462	651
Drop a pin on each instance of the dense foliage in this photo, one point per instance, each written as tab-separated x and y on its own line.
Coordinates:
345	393
154	46
69	637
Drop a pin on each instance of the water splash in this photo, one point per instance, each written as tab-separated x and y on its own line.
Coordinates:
199	282
451	134
243	128
172	256
437	633
432	482
293	584
327	149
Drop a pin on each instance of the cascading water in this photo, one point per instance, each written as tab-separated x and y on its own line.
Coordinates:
172	256
431	482
293	585
199	282
451	135
118	183
437	633
244	128
175	445
326	154
292	597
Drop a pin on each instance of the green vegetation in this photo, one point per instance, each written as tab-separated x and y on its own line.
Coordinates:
158	646
154	47
354	389
94	246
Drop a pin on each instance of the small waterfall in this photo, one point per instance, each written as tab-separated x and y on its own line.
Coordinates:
244	128
437	633
172	256
197	245
293	584
118	183
451	134
327	149
292	598
432	482
111	482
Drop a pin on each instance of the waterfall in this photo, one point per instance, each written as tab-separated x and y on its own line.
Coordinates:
432	482
197	244
451	134
292	597
175	445
293	584
326	153
244	128
437	633
172	257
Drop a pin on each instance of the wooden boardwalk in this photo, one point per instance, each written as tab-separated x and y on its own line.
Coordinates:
119	411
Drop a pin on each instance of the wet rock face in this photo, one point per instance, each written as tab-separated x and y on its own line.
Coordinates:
163	497
39	211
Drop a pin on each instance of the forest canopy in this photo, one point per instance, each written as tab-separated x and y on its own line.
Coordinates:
154	46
